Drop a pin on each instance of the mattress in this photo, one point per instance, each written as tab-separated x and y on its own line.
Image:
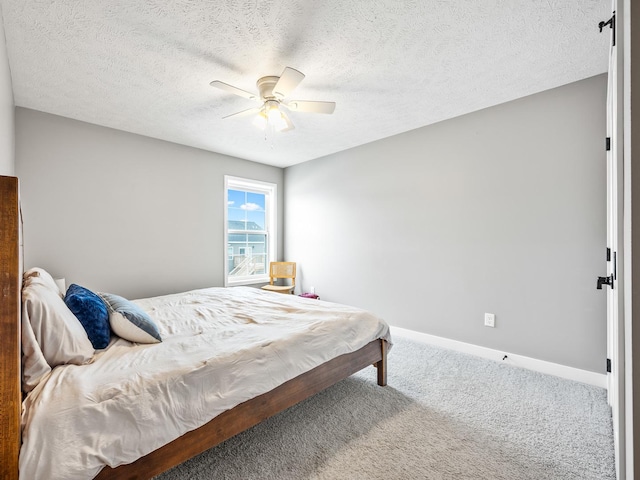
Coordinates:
221	347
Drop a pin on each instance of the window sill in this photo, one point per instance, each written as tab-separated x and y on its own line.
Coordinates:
246	281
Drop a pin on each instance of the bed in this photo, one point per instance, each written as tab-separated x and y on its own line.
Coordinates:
264	353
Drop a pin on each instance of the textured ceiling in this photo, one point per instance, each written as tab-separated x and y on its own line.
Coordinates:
391	66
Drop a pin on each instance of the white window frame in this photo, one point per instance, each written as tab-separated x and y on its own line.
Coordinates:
270	191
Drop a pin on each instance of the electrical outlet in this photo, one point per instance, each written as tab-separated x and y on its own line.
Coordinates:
489	320
313	289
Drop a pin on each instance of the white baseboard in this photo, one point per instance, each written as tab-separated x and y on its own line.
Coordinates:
571	373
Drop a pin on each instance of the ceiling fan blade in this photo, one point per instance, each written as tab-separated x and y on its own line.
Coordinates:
244	113
289	80
235	90
311	106
288	121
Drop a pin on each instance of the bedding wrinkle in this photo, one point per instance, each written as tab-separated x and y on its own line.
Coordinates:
221	347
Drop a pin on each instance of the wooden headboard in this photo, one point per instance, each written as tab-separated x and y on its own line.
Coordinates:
10	288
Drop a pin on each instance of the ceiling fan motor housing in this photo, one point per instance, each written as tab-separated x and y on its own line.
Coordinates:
265	87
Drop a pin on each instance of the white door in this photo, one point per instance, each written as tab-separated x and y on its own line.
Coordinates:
615	376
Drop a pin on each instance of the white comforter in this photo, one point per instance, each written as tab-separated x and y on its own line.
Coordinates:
220	347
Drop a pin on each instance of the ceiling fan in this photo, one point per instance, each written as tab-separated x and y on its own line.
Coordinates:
272	91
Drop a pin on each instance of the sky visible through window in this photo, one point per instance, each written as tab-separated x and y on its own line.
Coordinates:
246	207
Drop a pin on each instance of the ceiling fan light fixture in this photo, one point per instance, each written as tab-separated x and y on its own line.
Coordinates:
260	120
270	117
274	116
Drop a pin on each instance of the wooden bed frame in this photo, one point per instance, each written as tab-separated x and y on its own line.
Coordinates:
219	429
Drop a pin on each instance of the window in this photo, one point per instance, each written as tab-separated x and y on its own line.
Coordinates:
250	230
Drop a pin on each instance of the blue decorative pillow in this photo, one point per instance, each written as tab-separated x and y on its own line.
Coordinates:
92	313
129	321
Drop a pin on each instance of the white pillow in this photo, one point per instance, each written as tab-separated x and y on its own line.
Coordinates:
60	335
34	365
40	276
129	321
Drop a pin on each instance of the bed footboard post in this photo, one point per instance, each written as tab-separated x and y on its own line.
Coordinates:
10	278
382	365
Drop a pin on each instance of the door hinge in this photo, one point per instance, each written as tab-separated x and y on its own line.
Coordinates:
612	24
608	365
608	254
607	144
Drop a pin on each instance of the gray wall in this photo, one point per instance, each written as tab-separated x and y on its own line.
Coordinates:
120	212
501	210
7	126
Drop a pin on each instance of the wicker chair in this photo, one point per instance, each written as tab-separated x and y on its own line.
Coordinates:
278	270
